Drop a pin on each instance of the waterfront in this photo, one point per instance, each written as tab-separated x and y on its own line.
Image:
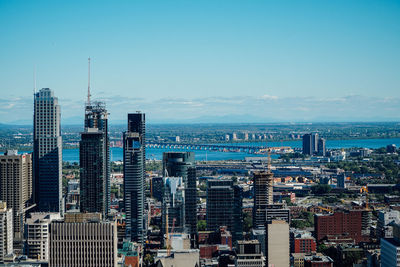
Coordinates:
72	155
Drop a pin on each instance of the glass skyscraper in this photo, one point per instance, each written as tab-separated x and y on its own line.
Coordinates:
182	164
134	176
47	152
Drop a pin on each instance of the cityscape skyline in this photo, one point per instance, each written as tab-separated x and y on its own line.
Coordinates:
303	60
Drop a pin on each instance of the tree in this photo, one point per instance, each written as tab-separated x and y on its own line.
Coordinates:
247	222
201	225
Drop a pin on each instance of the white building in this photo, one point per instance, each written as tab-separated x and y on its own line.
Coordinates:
277	244
37	234
6	231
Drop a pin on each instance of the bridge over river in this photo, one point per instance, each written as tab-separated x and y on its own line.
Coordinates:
250	149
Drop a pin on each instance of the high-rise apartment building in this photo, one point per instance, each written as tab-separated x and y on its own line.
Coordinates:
182	164
94	157
313	145
47	152
263	196
134	176
6	231
16	186
83	241
321	151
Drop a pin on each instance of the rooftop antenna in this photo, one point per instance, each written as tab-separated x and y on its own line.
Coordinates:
34	80
88	90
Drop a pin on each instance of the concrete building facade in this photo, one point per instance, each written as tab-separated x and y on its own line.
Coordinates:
6	231
37	234
277	244
16	186
89	244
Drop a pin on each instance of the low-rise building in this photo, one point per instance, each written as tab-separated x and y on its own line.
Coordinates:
249	254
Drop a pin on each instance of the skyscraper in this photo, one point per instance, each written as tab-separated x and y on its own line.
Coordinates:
263	195
47	152
224	207
16	186
94	157
311	144
182	164
321	147
134	176
220	196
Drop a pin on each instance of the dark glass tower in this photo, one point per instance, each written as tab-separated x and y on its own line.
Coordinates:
47	152
220	203
134	176
94	157
224	207
182	164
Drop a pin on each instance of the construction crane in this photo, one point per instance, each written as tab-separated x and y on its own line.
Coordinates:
325	209
364	189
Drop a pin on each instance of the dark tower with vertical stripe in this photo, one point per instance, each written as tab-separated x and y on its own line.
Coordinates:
134	176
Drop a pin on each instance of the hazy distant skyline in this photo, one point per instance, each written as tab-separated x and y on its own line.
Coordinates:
179	60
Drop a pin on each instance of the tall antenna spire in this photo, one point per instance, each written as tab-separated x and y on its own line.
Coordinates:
88	90
34	80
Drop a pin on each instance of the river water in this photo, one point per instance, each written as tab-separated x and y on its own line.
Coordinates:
72	155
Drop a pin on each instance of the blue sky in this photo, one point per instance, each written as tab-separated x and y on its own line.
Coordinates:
183	60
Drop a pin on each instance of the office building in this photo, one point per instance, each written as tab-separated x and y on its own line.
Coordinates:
157	187
6	231
173	205
182	164
249	254
277	244
134	176
277	211
16	186
221	207
310	144
37	234
94	158
390	248
385	221
263	195
47	152
83	242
